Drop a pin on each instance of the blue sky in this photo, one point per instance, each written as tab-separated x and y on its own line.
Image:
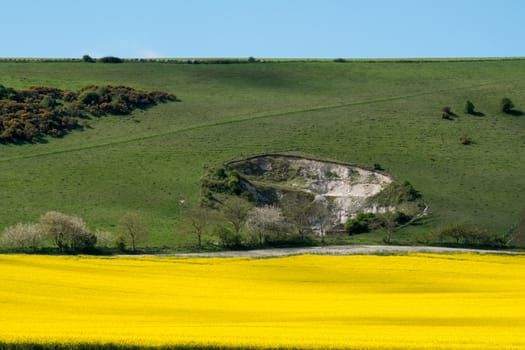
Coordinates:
264	28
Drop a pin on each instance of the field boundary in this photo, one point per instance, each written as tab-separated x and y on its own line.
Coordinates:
337	250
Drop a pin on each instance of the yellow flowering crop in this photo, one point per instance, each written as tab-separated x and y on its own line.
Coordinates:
421	301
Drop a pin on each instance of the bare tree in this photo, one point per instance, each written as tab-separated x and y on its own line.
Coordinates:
389	223
198	220
265	222
298	210
321	216
516	235
133	227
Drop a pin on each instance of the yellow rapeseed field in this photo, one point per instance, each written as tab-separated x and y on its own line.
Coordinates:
421	301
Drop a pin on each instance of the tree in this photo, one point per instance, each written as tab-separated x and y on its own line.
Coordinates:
506	105
235	211
88	59
67	232
198	219
227	237
321	216
298	210
360	223
265	222
517	234
23	236
133	227
104	238
389	221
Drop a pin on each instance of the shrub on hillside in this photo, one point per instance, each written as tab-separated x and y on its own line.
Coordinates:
469	107
506	105
395	194
446	113
89	97
465	140
401	218
7	93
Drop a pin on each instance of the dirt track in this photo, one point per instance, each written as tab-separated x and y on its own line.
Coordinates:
341	250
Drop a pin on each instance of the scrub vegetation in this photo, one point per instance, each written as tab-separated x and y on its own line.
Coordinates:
29	115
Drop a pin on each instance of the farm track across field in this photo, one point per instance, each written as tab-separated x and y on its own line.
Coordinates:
339	250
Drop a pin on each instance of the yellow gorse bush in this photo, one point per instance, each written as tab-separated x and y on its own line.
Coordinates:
375	302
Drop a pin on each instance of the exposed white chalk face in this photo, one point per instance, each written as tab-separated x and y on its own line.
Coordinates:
343	188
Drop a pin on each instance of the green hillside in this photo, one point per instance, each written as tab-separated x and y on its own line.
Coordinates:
366	113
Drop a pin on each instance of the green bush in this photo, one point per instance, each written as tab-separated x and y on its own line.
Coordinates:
48	102
227	237
89	97
7	93
83	241
120	243
465	140
401	218
396	193
360	223
506	105
469	107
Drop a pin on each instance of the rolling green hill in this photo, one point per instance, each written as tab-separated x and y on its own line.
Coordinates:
364	113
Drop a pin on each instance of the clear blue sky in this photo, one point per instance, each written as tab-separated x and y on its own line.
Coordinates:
263	28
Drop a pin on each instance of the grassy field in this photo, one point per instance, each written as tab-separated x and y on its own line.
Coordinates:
422	301
360	112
